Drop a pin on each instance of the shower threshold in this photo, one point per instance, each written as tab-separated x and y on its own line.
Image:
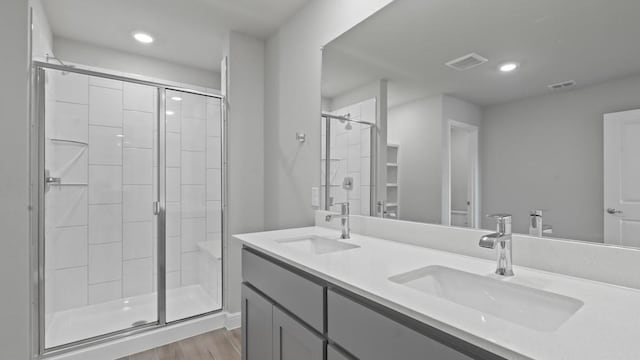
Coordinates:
68	326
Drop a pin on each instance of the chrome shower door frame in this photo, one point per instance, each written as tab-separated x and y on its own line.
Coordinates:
37	196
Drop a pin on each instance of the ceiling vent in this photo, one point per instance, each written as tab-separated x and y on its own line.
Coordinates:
562	85
466	62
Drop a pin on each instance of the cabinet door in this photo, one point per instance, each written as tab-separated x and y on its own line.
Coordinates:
335	354
293	341
257	326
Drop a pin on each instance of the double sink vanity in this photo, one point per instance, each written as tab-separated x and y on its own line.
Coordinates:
309	294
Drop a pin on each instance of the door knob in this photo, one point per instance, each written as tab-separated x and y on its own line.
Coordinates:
613	211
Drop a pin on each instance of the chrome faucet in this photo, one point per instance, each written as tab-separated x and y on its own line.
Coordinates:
537	227
502	239
344	219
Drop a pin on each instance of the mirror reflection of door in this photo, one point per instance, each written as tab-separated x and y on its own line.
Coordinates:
462	180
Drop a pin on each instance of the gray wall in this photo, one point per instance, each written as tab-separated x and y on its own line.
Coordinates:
92	55
15	277
245	186
293	82
417	128
547	152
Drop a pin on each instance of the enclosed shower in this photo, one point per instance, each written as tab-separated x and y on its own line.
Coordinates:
346	151
130	185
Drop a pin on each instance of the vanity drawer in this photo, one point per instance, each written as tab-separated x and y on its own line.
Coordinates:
299	295
369	335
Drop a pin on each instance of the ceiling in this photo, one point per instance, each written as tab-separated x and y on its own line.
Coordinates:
409	41
188	32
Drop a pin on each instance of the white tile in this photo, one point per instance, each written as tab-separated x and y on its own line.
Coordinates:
73	88
193	134
189	268
194	106
193	168
105	106
68	205
137	277
365	199
214	153
214	216
365	168
353	135
193	201
193	232
174	249
138	166
105	223
138	129
173	184
70	288
173	219
137	203
174	114
138	97
214	184
213	120
68	162
105	262
104	82
105	145
71	122
365	142
138	239
173	150
353	158
103	292
105	184
70	247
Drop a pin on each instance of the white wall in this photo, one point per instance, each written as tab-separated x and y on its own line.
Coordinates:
15	276
417	127
92	55
547	152
293	82
245	97
459	169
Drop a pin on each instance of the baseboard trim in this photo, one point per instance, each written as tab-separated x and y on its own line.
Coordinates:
233	321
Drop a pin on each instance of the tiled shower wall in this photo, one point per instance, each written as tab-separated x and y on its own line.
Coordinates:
350	155
100	228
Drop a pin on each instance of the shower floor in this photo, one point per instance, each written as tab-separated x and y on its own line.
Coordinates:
82	323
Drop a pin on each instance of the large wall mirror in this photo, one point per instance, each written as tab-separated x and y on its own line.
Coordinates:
444	111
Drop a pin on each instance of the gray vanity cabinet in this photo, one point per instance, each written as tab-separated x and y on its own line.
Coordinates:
367	334
269	333
257	326
292	341
335	354
288	314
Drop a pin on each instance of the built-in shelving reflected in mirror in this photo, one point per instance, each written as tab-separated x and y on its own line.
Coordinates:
529	108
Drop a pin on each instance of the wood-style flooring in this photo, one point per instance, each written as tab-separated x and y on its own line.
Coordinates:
216	345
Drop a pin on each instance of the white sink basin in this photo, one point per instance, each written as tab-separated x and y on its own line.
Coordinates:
317	245
536	309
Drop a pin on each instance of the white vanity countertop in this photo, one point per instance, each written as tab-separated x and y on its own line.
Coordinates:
606	327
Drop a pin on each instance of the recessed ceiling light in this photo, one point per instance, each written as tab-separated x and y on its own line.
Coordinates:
169	112
143	37
508	67
176	98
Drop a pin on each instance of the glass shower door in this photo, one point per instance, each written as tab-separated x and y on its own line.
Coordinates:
193	204
100	167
